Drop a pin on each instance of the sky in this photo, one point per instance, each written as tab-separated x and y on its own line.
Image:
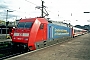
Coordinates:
69	11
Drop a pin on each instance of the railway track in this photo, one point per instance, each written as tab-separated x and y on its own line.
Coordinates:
7	50
11	54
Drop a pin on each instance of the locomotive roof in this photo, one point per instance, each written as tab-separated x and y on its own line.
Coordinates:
59	23
42	20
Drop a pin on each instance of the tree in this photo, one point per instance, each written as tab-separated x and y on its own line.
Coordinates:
2	22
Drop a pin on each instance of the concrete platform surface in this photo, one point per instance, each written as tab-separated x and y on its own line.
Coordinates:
76	49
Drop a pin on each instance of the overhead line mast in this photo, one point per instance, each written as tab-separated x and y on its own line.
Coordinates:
43	10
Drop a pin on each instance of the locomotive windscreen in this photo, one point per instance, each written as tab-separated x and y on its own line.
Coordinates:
24	25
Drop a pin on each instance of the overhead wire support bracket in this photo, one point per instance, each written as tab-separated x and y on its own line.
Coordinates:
42	8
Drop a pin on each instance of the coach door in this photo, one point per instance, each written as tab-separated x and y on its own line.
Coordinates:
50	32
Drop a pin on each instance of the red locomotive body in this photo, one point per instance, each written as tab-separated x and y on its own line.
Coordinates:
30	31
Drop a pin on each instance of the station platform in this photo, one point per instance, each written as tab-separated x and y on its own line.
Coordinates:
5	40
76	49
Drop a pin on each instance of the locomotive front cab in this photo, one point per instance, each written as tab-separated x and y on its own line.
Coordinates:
21	33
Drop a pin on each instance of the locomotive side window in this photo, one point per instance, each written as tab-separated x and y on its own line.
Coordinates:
41	26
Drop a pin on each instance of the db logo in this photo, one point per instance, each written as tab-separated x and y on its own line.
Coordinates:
20	34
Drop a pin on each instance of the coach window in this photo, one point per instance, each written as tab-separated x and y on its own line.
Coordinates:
41	26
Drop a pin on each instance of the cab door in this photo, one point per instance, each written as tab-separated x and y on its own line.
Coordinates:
50	32
45	31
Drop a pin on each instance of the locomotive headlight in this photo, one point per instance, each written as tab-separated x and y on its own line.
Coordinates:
25	38
11	33
14	38
26	34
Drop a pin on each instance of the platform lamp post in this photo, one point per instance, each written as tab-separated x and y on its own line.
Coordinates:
86	12
87	20
6	20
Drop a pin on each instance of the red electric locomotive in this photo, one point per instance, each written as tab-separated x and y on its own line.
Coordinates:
30	31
